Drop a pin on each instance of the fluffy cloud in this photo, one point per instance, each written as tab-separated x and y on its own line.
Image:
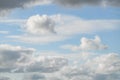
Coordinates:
77	3
8	5
61	67
97	67
105	64
12	56
18	59
87	44
40	24
105	67
47	64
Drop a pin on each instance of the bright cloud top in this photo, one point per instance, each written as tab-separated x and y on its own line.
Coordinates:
87	44
40	24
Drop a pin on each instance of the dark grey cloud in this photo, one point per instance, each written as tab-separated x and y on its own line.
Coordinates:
76	3
113	2
8	5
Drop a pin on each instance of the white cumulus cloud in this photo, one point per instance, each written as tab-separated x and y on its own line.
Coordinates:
87	44
40	24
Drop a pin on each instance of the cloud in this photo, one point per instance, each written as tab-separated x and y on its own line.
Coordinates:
94	67
79	3
113	3
71	25
106	64
87	44
6	5
12	56
12	21
105	67
41	39
4	32
71	66
48	64
4	78
18	59
40	24
46	29
34	77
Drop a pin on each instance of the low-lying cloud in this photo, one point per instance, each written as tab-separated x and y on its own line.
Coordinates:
18	59
94	67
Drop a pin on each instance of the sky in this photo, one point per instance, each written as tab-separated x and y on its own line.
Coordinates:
59	39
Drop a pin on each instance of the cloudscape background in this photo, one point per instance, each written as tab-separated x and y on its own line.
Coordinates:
59	40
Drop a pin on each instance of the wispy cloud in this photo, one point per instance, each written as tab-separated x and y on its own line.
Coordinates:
4	32
62	27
